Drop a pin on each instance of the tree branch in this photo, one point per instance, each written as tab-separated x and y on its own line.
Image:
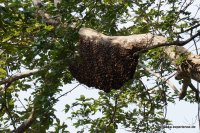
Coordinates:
177	43
182	43
189	29
141	42
68	91
27	123
161	78
19	76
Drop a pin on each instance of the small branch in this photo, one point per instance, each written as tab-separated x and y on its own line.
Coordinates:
177	43
195	44
68	92
21	103
161	78
163	82
148	95
19	76
189	29
182	43
26	73
27	123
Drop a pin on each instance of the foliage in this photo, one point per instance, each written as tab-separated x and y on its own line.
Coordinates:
29	41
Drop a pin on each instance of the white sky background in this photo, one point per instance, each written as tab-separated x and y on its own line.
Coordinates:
181	113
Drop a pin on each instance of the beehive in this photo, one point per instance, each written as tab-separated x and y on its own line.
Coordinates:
103	65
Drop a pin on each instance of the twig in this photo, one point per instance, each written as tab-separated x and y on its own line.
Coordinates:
148	94
195	44
67	92
198	107
161	78
21	103
189	29
163	81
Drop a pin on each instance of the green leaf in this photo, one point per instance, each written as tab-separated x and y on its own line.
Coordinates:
67	107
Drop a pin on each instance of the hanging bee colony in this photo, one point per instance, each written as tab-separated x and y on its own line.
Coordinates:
103	64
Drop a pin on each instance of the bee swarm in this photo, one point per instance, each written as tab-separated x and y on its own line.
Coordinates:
103	65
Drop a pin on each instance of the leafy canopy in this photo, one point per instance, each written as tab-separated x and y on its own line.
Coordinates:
30	40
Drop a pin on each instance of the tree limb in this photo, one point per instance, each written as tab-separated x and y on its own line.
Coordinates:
144	42
27	123
19	76
182	43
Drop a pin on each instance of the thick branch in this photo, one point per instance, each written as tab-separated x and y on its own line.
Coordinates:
137	41
19	76
140	41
